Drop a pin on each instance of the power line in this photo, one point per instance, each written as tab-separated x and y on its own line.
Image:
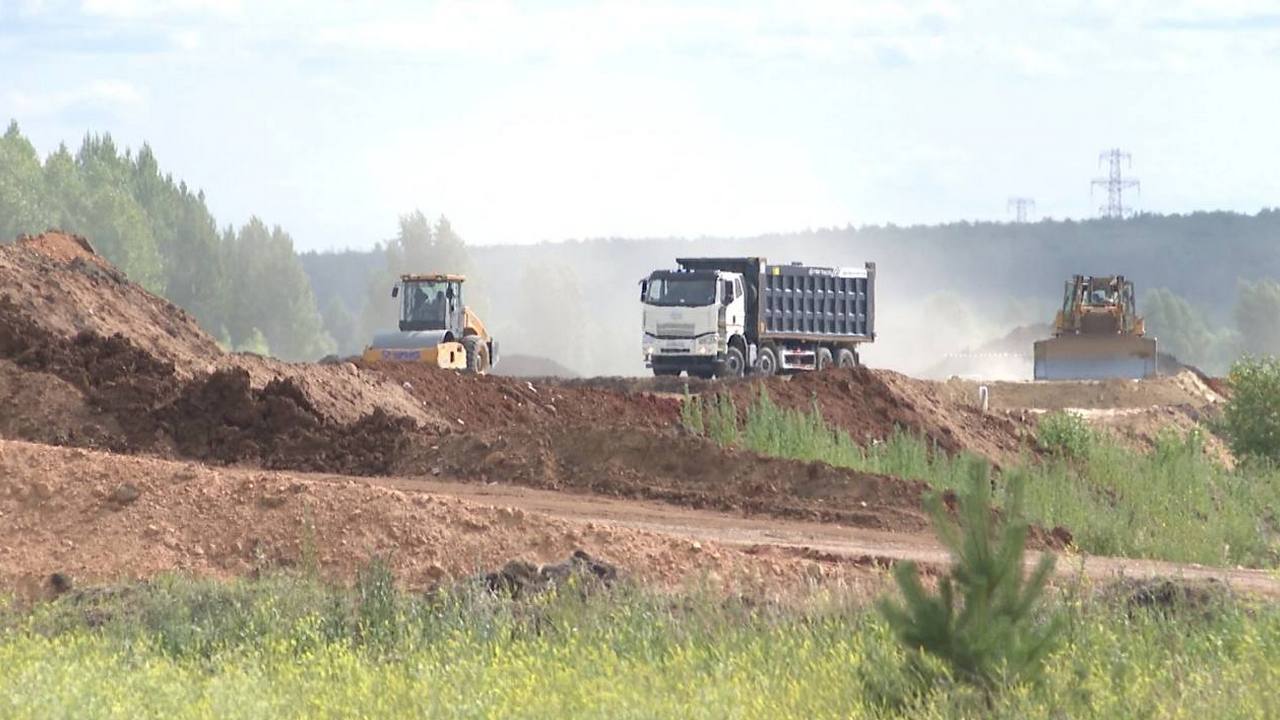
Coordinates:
1115	183
1021	207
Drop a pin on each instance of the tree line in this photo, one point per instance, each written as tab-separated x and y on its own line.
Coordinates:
1207	281
243	285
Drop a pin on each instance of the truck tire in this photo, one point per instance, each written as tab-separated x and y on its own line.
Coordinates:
767	362
477	354
846	358
822	359
735	365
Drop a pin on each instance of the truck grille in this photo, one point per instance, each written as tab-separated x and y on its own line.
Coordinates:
675	329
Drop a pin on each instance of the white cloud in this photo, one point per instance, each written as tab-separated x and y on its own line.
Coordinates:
137	9
101	94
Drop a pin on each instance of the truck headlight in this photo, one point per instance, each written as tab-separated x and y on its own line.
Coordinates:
705	345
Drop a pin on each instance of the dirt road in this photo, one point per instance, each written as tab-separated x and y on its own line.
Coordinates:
860	545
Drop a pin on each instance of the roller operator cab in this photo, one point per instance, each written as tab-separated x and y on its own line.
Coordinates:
435	327
724	317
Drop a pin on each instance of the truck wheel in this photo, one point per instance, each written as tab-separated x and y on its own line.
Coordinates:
846	358
767	362
477	354
822	359
735	365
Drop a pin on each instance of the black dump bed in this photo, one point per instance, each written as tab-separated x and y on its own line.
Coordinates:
802	302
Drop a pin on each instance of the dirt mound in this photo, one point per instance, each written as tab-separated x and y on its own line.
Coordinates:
61	246
56	281
125	399
93	517
871	404
55	295
45	408
1183	388
478	402
223	418
679	469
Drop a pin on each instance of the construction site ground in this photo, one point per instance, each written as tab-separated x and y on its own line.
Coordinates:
132	445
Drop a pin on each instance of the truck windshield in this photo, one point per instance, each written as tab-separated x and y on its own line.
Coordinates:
693	292
425	304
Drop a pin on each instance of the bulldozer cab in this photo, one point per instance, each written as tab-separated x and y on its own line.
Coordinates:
1099	305
430	302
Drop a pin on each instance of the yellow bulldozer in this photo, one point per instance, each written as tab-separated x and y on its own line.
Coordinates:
1097	335
436	328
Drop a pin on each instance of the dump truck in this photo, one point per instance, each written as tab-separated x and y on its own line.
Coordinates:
1097	335
436	328
724	317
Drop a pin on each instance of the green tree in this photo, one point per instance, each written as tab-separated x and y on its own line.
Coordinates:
22	202
982	621
117	224
1257	316
341	326
270	292
1251	416
1183	330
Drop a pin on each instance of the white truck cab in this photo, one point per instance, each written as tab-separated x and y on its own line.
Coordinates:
694	321
720	316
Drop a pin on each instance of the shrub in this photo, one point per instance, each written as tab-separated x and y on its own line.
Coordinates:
1251	417
981	623
1064	433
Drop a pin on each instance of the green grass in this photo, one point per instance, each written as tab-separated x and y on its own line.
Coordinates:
1174	503
288	647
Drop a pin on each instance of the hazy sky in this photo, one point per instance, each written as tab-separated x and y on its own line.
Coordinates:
532	121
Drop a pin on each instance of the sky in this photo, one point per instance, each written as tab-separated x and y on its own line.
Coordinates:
531	121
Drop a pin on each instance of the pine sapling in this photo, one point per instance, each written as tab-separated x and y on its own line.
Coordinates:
982	620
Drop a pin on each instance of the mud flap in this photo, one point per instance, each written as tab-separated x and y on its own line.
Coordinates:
1095	357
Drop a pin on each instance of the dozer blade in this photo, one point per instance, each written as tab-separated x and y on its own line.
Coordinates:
1095	357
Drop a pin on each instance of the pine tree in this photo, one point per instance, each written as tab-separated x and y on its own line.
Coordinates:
981	623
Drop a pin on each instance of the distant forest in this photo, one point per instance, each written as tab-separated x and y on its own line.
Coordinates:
1207	281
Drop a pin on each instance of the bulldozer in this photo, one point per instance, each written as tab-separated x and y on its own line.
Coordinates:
1097	335
435	327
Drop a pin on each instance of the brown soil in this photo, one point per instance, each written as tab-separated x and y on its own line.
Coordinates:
89	359
1184	388
678	469
478	402
56	280
871	404
96	517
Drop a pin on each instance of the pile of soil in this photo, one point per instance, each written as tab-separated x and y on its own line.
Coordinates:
479	402
871	404
1183	388
680	469
57	281
128	400
94	517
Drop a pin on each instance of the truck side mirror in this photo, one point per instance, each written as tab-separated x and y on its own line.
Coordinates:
395	291
644	289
